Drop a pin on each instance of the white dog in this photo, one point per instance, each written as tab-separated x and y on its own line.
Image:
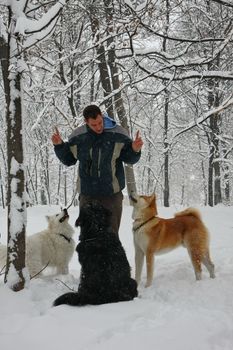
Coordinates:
52	247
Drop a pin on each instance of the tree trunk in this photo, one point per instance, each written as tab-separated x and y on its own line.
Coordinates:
2	192
65	188
110	82
59	183
4	68
102	63
15	274
118	100
166	153
4	65
30	182
205	191
210	180
214	164
165	137
226	179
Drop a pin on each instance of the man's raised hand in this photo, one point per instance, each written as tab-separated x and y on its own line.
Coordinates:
56	137
137	143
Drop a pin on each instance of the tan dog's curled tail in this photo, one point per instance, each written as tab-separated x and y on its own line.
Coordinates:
189	212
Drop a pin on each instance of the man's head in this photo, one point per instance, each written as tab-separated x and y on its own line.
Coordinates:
93	118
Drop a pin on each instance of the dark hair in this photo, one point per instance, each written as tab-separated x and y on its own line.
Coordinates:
91	111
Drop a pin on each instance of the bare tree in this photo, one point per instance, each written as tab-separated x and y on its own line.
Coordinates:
109	74
23	32
151	74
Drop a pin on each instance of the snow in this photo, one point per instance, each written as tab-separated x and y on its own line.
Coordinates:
176	312
3	32
25	25
136	5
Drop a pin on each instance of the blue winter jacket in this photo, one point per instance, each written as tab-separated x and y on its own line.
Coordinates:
100	156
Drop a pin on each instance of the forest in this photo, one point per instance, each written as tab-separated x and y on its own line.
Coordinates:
164	67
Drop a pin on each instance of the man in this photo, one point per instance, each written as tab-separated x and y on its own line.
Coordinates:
101	146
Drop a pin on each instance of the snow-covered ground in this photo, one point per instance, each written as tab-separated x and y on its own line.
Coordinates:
176	312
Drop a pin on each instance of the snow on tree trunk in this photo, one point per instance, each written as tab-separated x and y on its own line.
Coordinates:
15	275
24	31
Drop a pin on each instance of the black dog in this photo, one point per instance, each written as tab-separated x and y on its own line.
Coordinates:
105	274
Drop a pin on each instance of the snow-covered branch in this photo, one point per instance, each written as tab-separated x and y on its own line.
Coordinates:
40	35
223	75
224	2
227	103
26	25
142	48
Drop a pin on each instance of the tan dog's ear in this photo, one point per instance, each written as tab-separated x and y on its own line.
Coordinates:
153	204
152	201
152	197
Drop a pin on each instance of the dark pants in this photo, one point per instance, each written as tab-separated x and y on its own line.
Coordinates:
112	203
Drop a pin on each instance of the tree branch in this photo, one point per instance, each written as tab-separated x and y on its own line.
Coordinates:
227	103
224	2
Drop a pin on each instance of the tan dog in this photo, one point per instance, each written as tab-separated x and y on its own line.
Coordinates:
154	235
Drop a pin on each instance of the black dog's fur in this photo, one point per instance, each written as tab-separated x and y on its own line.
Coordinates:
105	274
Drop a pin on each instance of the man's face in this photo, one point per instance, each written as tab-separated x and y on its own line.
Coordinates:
97	125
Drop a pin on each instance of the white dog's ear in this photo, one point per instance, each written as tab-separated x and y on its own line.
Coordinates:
47	217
